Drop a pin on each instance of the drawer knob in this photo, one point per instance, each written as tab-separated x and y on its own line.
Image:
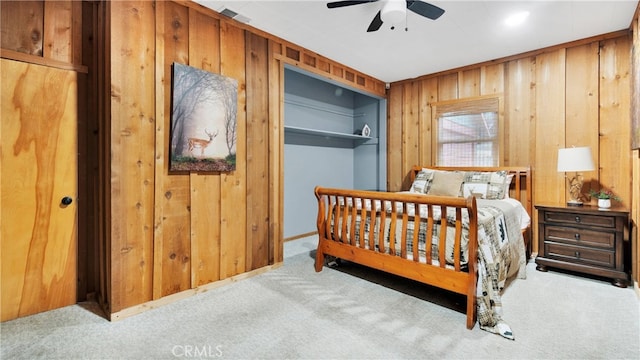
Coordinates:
577	254
577	236
577	219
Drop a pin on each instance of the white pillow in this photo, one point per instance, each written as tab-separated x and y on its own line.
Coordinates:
507	185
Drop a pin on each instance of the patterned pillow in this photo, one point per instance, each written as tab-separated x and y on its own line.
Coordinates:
422	182
446	183
485	185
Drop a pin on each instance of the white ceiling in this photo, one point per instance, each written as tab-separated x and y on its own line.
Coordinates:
469	32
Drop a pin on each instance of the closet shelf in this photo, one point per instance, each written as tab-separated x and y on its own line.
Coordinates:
324	109
324	133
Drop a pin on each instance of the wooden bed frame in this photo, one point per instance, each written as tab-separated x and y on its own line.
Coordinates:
337	234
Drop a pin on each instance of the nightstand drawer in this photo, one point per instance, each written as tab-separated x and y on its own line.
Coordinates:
578	236
581	219
577	254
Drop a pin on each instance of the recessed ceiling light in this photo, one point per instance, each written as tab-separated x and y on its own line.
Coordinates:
516	18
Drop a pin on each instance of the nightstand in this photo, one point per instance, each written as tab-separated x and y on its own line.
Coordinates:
583	239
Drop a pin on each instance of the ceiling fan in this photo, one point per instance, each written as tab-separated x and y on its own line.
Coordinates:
393	11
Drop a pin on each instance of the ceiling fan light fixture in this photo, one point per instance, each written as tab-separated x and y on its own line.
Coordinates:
394	11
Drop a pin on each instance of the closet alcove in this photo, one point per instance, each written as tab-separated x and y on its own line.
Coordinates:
324	144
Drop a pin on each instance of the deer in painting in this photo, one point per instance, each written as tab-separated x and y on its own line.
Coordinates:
201	143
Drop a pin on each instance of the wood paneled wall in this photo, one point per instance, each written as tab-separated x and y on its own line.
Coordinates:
48	29
570	95
172	232
167	233
635	179
146	234
43	32
49	34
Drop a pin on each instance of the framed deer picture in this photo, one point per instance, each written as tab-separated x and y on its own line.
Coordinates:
203	120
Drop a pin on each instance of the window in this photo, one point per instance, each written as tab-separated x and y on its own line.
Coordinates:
467	132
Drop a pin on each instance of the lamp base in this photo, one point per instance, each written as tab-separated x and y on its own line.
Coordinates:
574	203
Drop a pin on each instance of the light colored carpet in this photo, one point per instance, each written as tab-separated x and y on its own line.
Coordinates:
346	313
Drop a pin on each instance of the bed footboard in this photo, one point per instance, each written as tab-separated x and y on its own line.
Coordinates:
430	239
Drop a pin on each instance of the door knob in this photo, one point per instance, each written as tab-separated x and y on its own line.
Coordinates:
66	200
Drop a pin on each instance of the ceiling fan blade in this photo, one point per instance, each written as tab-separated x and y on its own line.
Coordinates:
337	4
425	9
375	23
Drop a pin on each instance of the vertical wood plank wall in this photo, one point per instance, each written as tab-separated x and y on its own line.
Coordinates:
132	164
550	128
173	232
166	233
198	232
49	35
571	95
257	58
204	53
27	16
635	179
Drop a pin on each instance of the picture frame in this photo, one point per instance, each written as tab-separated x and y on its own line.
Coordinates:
203	120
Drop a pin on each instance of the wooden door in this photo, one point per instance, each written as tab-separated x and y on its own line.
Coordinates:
38	177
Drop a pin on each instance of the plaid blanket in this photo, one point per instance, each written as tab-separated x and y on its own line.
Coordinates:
501	252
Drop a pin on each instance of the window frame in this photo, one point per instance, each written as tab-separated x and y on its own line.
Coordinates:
468	105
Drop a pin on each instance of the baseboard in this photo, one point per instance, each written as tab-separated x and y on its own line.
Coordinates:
300	236
153	304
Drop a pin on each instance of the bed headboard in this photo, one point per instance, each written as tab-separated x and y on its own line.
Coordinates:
520	188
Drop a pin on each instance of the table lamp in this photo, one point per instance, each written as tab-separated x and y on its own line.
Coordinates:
575	159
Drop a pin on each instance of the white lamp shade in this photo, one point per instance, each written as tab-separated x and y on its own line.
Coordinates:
394	11
575	159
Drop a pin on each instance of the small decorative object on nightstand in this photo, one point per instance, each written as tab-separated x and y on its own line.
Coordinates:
604	197
604	203
583	239
575	159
